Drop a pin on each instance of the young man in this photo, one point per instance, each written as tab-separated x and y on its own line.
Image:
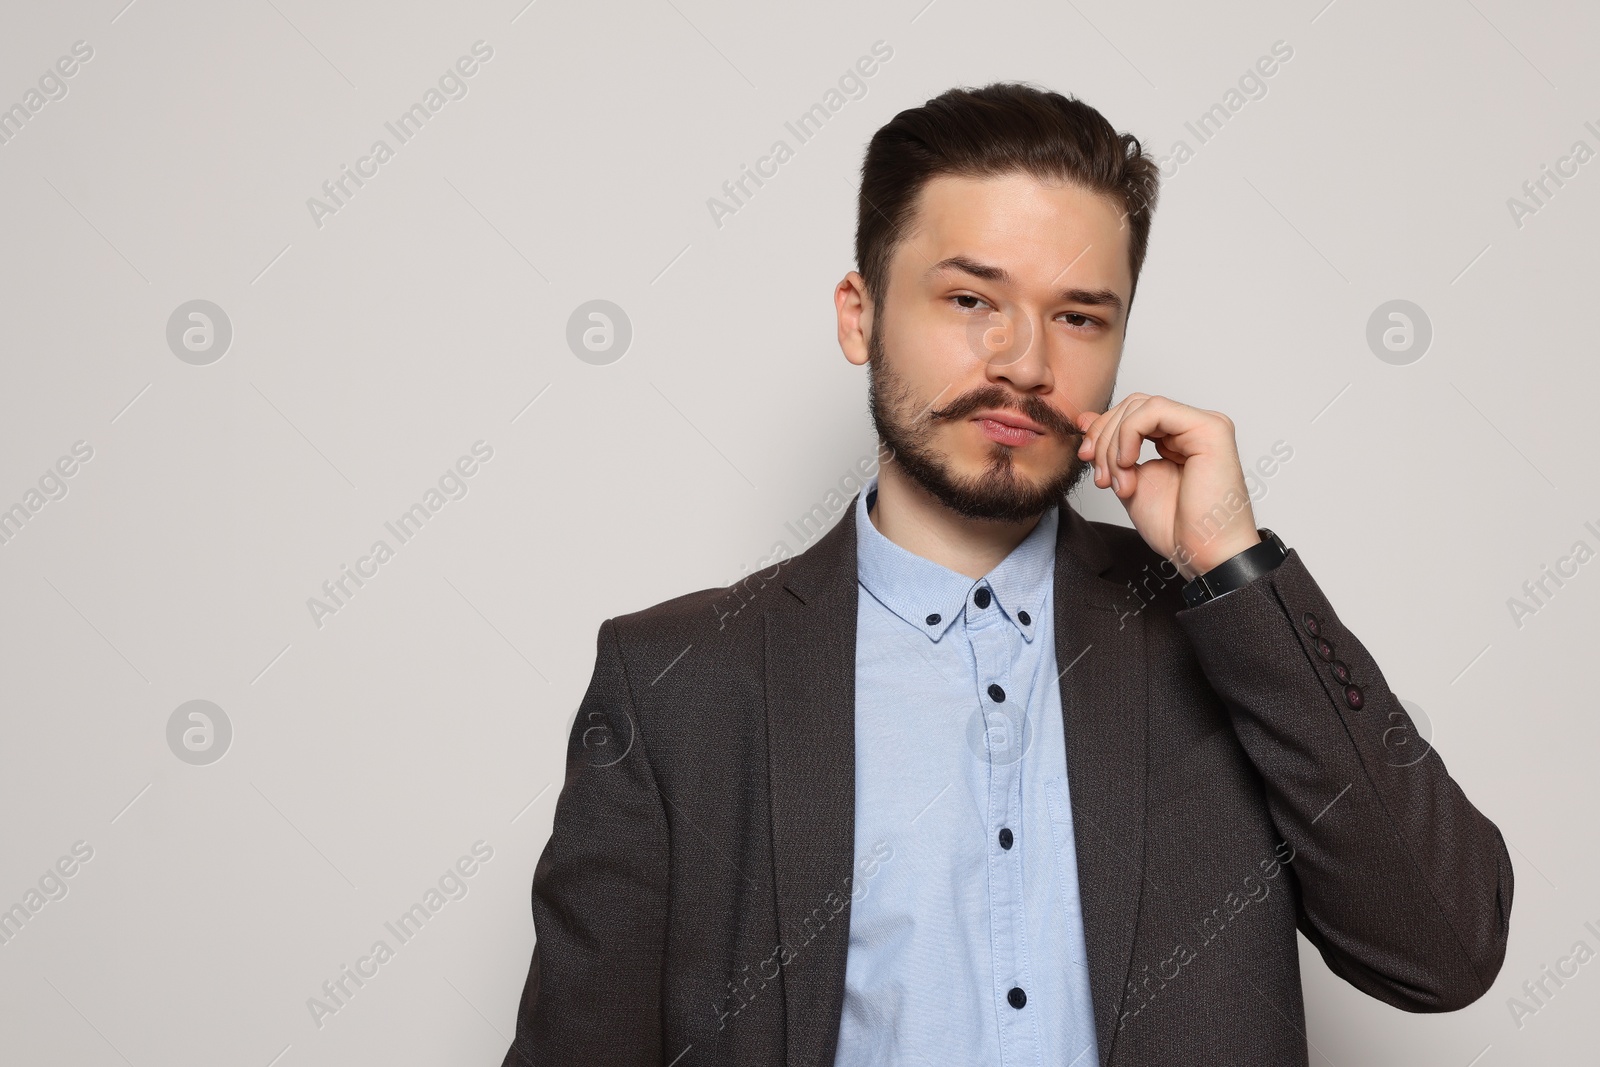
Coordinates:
975	780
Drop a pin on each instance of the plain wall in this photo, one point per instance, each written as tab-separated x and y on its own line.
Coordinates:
371	747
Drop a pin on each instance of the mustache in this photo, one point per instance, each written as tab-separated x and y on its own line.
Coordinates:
998	399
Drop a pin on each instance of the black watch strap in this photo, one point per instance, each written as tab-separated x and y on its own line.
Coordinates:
1237	571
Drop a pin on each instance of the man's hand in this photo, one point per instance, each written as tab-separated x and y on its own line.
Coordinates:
1191	505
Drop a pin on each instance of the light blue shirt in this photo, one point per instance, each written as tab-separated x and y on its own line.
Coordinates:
960	751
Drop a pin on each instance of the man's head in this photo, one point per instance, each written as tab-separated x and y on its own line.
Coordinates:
1000	236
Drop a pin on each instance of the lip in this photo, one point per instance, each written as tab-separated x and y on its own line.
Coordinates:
1008	418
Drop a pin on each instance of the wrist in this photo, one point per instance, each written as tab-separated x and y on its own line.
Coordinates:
1237	570
1215	553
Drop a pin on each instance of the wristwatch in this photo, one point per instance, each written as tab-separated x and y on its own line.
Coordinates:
1236	571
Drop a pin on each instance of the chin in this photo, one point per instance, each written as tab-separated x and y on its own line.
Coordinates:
1026	465
977	489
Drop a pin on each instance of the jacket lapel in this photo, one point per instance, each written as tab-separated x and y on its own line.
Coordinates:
810	689
811	694
1100	652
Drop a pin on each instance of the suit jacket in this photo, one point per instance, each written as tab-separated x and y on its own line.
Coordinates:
692	904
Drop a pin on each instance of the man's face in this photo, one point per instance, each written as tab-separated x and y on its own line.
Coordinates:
1006	299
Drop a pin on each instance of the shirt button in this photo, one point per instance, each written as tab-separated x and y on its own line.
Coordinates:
1005	837
997	694
1025	618
981	598
933	620
1016	998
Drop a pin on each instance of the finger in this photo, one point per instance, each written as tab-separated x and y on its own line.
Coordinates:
1163	419
1105	443
1083	421
1090	426
1089	422
1122	447
1166	451
1122	443
1117	451
1104	437
1092	437
1167	458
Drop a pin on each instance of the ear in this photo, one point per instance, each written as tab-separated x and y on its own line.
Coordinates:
854	308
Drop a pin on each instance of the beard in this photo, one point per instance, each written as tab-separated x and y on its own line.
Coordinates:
998	492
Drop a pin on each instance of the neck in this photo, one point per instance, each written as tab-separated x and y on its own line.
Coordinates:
917	521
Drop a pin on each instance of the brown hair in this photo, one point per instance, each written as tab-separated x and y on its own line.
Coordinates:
1000	128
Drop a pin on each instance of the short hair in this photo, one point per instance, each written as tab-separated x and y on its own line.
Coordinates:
1001	128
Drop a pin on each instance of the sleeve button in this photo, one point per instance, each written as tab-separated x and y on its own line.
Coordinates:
1352	696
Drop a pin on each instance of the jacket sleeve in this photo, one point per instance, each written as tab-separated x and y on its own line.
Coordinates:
1405	887
593	993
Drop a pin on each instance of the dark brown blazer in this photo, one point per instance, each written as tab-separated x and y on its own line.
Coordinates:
692	905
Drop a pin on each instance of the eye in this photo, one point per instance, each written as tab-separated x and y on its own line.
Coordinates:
1086	324
976	300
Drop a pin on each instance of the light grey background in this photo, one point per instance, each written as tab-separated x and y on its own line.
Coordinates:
431	311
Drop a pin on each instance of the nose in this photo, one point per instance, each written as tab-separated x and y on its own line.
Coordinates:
1012	347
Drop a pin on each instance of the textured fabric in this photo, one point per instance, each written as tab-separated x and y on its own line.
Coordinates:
692	905
960	916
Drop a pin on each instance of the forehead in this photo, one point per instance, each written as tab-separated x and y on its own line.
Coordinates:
1032	228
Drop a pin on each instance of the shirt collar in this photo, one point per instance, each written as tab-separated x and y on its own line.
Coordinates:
929	596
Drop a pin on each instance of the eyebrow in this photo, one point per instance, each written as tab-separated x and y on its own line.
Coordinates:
1093	297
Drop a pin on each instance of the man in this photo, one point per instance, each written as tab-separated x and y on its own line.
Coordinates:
973	780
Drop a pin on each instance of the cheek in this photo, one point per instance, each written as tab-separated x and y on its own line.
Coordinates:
954	347
1084	372
932	358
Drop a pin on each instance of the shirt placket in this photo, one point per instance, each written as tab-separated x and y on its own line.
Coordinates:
1004	700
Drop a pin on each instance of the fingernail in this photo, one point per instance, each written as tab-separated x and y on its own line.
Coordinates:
1115	484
